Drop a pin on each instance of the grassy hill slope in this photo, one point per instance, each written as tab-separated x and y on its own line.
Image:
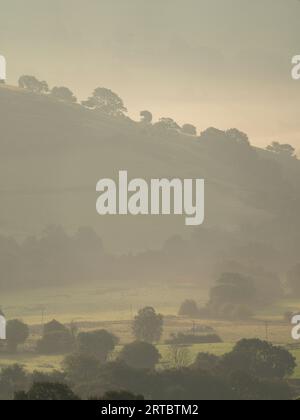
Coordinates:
53	154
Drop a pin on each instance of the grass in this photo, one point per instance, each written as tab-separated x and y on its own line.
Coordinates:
32	362
113	308
95	303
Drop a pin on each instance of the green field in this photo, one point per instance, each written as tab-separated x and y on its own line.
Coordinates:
113	309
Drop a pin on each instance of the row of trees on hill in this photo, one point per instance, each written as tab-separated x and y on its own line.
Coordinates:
103	100
109	103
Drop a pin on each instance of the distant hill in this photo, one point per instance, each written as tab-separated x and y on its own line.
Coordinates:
53	154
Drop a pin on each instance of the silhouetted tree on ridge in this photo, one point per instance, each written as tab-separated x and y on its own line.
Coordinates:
63	94
146	117
32	84
107	102
189	129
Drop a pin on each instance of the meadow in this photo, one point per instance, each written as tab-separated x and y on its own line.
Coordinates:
113	308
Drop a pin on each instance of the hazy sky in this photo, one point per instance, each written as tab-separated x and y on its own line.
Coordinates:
220	63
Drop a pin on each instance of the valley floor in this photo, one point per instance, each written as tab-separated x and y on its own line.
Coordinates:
114	308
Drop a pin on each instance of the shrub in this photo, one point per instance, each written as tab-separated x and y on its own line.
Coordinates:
16	333
98	343
140	355
47	392
57	339
206	361
148	325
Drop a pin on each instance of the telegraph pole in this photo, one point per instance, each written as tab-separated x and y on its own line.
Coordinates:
267	330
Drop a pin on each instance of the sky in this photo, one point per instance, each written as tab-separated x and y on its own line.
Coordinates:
221	63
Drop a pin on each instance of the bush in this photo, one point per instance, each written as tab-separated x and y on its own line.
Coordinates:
57	339
140	355
179	356
12	378
59	342
81	367
16	333
260	359
98	343
206	361
121	396
250	388
47	392
148	325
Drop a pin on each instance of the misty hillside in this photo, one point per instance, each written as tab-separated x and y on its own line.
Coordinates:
53	154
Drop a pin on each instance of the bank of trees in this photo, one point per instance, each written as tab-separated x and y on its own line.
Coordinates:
93	367
253	370
237	296
104	101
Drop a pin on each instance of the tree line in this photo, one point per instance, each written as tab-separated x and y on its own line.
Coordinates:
109	103
253	370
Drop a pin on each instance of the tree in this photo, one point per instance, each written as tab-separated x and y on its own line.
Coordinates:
140	355
121	396
63	94
98	343
148	325
189	129
146	117
260	359
179	356
190	384
206	361
282	149
53	376
81	367
238	136
32	84
249	388
47	392
16	333
293	280
57	339
12	378
167	124
107	102
189	308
